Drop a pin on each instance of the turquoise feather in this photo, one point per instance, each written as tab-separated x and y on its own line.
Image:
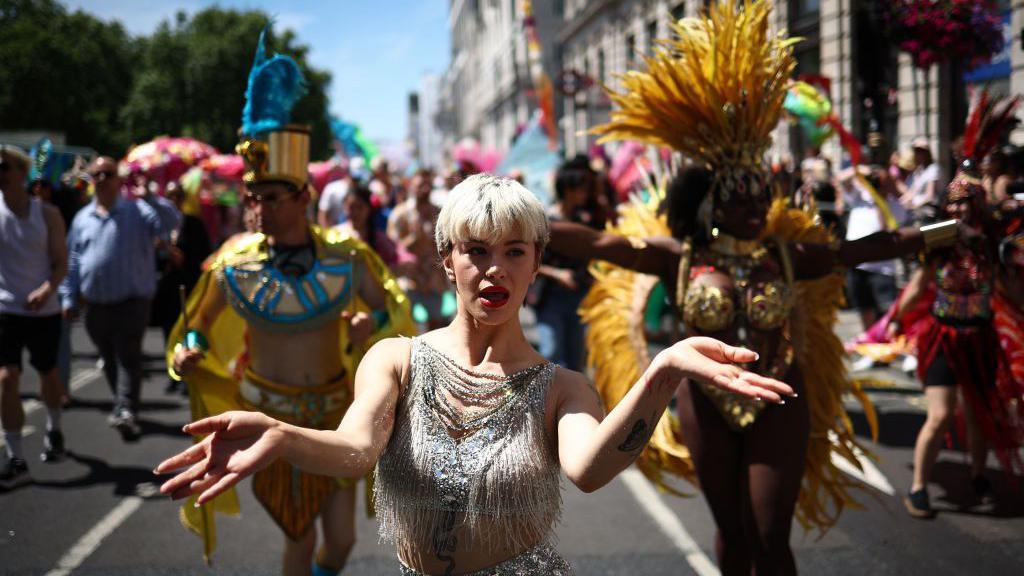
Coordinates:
275	85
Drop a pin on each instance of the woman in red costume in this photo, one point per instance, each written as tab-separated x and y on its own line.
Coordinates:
958	344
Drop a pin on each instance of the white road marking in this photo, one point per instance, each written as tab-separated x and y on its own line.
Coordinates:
31	405
870	475
669	523
77	382
92	539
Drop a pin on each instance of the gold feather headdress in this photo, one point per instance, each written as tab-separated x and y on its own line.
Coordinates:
713	92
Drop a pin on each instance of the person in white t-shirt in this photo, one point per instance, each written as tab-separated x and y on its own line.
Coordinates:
329	207
923	184
33	261
872	285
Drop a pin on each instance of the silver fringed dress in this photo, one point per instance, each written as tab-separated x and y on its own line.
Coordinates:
478	476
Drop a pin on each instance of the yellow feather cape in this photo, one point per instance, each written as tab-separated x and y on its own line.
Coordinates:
618	353
213	387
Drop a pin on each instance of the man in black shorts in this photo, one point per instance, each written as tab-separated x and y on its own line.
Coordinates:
33	261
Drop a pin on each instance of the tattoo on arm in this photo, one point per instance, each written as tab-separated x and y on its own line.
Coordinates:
639	434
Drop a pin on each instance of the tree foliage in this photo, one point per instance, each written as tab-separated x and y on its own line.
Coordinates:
63	72
74	73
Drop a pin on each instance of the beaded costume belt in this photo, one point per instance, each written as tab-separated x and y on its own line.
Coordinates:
962	307
314	406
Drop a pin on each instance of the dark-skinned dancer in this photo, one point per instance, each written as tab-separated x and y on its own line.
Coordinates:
743	268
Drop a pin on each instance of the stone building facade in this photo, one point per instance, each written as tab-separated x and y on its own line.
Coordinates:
587	43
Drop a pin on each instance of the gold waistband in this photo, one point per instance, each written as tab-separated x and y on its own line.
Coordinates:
319	406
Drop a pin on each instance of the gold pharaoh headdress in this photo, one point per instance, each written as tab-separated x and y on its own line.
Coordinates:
714	92
282	157
274	150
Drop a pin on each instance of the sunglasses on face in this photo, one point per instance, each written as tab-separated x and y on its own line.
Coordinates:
103	175
268	199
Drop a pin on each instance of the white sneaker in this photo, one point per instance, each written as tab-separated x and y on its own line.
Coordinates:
909	364
863	363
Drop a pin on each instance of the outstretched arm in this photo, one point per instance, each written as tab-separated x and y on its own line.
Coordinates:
649	256
592	451
814	260
238	444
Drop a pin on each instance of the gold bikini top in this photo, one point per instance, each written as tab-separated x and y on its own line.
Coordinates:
763	305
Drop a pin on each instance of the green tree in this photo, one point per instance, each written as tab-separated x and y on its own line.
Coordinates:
193	73
66	72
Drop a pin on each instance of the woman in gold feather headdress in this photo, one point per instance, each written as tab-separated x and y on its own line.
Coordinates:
743	267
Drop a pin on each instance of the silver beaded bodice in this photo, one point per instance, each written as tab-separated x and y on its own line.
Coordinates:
477	472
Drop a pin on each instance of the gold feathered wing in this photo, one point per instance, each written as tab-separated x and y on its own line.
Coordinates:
616	343
613	310
826	490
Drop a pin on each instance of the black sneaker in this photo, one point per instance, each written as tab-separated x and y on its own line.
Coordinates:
918	504
53	446
982	489
14	474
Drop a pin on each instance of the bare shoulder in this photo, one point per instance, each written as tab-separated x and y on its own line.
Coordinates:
52	215
571	388
390	353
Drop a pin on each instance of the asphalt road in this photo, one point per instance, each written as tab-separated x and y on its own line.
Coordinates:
97	512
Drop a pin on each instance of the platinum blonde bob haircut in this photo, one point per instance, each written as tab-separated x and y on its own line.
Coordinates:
485	207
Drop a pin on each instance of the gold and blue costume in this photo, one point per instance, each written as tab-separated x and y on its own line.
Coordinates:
261	295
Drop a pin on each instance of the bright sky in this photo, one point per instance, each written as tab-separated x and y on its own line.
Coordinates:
376	50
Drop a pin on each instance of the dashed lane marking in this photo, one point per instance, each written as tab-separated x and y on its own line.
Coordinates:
78	381
669	523
92	539
869	473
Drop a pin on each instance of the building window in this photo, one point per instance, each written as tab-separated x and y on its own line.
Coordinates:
652	34
679	12
630	51
804	8
600	66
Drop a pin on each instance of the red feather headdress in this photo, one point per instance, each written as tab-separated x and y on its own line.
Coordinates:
987	124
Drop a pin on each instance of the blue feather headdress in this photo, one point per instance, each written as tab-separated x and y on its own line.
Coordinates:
41	155
275	85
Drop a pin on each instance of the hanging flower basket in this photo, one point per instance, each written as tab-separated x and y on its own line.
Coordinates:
935	31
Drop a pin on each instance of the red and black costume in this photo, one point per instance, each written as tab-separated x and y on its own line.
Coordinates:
958	343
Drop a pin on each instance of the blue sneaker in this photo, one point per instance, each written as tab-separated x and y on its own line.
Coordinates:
918	504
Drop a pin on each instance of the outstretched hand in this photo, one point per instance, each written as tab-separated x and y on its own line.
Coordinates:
717	363
237	445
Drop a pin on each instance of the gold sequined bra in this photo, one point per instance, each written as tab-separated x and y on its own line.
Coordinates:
763	305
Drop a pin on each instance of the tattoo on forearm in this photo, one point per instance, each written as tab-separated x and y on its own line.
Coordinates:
639	434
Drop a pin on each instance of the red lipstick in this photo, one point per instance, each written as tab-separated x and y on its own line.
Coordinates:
494	297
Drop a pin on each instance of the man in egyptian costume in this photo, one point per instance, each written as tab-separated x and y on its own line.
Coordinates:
279	322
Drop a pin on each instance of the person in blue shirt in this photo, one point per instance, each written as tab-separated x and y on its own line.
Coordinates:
112	277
